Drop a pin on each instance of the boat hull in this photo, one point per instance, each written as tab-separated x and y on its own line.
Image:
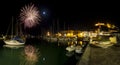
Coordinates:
70	48
13	42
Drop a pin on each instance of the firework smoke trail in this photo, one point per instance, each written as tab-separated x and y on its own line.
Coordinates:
30	16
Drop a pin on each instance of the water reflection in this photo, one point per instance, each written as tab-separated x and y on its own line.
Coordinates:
13	46
69	54
30	55
50	54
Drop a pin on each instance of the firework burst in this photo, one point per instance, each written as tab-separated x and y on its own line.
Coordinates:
30	16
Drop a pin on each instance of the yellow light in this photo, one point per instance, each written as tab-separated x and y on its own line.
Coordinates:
108	25
98	24
71	34
59	34
68	34
48	33
80	34
113	39
80	42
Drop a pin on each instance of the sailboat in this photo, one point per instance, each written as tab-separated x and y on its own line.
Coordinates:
14	39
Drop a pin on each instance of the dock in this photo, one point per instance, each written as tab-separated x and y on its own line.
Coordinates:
94	55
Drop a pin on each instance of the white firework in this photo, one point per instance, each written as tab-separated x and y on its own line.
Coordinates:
30	16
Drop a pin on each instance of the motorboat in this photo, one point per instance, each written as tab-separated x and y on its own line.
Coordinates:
70	48
78	49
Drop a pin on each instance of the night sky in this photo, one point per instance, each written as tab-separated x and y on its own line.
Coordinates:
73	13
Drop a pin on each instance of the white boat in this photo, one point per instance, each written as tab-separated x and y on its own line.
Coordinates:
70	48
14	40
78	49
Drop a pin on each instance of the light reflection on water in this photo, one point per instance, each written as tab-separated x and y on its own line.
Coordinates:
30	55
38	53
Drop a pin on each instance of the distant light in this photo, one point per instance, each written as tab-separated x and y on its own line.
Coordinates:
44	59
44	12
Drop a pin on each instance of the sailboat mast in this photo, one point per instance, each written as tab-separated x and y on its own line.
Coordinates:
53	26
64	26
17	28
12	27
20	30
57	25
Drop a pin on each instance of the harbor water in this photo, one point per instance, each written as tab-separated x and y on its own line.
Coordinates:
37	52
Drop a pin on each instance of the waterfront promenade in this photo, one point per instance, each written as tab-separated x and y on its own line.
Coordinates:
95	55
